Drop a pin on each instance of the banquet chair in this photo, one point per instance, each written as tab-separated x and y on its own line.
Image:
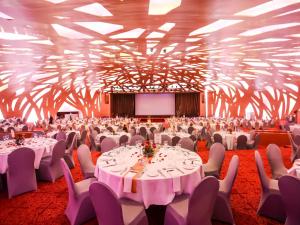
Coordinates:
175	140
152	129
254	145
25	128
82	137
218	138
190	130
61	135
208	140
187	143
179	128
222	209
101	138
215	160
108	144
143	132
136	138
110	129
85	161
69	153
97	129
296	131
289	187
270	204
94	145
20	174
166	138
50	168
193	137
241	142
194	209
151	136
9	129
80	208
69	139
113	211
123	139
295	142
275	161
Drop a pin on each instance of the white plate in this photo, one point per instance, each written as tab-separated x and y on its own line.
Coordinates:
152	173
117	168
188	166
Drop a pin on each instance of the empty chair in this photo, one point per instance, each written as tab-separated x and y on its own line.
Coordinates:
289	188
123	140
208	140
61	136
21	176
270	204
85	161
241	142
175	140
83	137
275	160
69	153
135	139
9	129
190	130
50	168
218	138
296	131
187	143
110	129
196	209
1	129
222	209
254	145
215	160
108	144
70	138
113	211
97	129
152	129
295	142
101	138
143	132
80	208
193	137
166	138
94	145
25	128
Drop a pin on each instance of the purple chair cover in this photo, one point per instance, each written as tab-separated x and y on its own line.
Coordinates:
79	208
21	176
215	160
187	143
85	160
289	188
241	142
50	168
61	136
190	130
295	142
108	144
275	160
136	138
69	153
70	138
222	209
111	211
197	209
254	145
123	139
143	132
218	138
175	140
270	204
166	138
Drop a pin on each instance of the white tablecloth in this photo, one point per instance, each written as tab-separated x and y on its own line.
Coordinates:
40	146
115	136
293	127
172	171
295	169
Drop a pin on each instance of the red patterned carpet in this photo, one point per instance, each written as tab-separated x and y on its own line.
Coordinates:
47	205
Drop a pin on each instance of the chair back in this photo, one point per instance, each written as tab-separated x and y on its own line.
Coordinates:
9	129
187	143
136	138
70	139
275	160
73	145
218	138
297	140
106	204
25	128
108	144
190	130
241	142
83	136
61	136
264	180
101	138
152	129
85	159
296	131
110	129
58	151
193	137
123	139
143	132
289	187
175	140
97	129
256	141
166	138
231	175
69	179
216	155
203	197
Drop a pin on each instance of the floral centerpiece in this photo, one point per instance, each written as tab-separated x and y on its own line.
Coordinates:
148	149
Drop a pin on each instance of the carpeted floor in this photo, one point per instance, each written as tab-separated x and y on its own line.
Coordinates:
47	205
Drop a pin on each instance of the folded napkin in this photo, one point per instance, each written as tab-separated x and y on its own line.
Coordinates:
128	181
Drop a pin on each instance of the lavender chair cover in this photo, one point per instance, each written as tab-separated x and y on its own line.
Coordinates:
111	211
21	176
186	143
143	132
222	209
218	138
275	160
190	130
255	143
61	136
69	153
50	168
175	140
295	142
289	188
166	138
123	139
215	160
136	138
85	161
79	208
241	142
108	144
270	204
196	209
70	139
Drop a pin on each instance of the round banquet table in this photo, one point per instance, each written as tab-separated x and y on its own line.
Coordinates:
41	147
295	169
230	139
172	171
115	136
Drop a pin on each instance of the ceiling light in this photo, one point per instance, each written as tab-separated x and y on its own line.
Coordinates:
159	7
69	33
95	9
100	27
268	29
135	33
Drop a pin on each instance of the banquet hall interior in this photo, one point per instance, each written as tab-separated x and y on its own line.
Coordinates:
149	112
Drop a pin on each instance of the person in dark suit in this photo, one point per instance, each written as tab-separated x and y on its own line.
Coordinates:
50	119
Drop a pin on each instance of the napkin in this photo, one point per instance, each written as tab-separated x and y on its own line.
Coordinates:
128	181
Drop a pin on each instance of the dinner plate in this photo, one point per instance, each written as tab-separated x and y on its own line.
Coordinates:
116	168
152	173
188	166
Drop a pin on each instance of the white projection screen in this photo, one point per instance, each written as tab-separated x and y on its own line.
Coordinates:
154	104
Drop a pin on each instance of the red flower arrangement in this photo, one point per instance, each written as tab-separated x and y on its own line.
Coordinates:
148	149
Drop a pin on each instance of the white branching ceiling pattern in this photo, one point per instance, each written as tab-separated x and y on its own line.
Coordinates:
237	49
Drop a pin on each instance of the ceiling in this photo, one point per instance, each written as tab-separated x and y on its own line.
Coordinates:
147	46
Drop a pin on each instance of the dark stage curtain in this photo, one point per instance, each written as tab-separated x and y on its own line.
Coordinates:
122	105
187	104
